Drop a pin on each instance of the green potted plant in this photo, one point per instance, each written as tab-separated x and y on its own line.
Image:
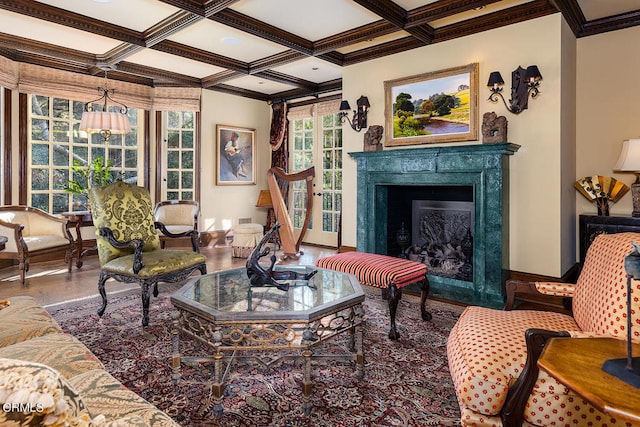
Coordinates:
96	173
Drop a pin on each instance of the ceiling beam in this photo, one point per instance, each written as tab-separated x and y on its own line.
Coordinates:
611	23
572	13
397	16
356	35
330	86
274	76
333	57
276	60
203	8
56	15
241	92
178	49
381	50
47	61
110	59
216	79
15	43
260	29
442	9
501	18
158	75
194	6
387	10
169	26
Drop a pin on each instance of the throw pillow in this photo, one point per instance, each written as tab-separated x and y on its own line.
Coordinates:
33	394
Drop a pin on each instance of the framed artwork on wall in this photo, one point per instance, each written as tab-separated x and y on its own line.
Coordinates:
235	152
440	106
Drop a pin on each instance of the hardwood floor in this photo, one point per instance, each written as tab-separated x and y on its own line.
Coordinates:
50	283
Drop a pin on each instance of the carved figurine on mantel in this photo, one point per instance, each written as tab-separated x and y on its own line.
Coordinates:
372	138
494	128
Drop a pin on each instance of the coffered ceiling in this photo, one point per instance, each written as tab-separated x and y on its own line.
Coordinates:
262	49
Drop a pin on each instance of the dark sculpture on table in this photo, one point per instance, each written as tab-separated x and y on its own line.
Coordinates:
260	276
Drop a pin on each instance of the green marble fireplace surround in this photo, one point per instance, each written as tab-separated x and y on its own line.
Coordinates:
484	167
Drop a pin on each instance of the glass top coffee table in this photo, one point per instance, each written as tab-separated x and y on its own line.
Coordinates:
235	320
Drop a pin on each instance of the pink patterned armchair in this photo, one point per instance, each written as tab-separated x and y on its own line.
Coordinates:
493	353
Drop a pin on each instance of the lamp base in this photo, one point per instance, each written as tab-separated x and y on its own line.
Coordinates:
618	368
635	196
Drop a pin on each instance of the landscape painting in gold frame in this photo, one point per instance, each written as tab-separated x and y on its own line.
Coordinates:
434	107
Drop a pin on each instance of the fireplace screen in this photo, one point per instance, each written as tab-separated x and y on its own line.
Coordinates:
442	237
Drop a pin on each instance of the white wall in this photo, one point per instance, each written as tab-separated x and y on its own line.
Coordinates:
536	220
607	109
567	191
222	205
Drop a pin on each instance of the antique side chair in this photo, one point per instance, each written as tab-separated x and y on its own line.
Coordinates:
178	216
129	246
493	353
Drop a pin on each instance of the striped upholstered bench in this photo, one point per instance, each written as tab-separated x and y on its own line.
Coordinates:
381	271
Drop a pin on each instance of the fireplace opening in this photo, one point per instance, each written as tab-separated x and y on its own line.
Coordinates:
433	224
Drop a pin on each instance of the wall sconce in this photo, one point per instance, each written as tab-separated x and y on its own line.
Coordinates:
359	120
523	83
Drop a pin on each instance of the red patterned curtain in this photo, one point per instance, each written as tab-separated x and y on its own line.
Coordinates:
278	138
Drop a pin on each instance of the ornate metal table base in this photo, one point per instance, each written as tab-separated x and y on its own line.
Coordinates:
299	339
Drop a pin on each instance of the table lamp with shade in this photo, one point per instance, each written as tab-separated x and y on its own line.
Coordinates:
629	161
264	201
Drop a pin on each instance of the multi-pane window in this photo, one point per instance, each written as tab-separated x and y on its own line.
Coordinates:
56	145
302	158
180	155
331	172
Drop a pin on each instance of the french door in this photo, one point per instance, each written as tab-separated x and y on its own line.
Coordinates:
317	141
178	156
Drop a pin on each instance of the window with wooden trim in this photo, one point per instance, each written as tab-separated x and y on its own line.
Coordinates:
179	156
55	145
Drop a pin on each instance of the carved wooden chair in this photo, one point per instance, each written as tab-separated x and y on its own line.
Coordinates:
178	216
129	246
493	353
31	232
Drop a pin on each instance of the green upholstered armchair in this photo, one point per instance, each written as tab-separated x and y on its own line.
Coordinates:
129	246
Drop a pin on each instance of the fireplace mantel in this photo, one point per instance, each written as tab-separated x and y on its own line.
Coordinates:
482	166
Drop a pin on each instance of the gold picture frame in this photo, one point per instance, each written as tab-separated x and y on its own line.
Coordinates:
445	107
235	153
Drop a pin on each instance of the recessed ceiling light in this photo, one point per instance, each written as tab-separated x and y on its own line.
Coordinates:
315	68
230	40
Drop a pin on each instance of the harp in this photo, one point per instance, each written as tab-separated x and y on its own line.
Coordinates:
279	183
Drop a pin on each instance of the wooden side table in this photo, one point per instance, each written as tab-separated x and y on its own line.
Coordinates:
79	219
577	363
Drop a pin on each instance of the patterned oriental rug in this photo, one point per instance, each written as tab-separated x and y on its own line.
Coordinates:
406	382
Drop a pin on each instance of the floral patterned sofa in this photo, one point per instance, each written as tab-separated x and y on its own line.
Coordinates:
48	377
491	359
